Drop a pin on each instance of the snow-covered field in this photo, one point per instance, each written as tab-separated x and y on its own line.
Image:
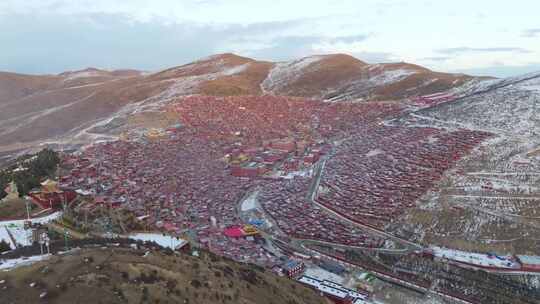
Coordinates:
16	228
6	265
160	239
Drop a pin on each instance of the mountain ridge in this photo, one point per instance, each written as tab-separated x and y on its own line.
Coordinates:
78	100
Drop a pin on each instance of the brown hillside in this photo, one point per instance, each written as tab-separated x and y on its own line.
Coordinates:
204	66
14	86
246	82
120	275
422	83
325	74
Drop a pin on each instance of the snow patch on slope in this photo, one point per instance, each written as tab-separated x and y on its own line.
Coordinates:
84	74
285	73
392	76
358	88
529	81
6	265
190	85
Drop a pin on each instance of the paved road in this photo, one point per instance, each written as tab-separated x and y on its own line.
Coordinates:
486	194
313	194
60	229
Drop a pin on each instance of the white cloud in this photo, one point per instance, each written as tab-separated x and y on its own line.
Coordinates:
464	49
535	32
160	33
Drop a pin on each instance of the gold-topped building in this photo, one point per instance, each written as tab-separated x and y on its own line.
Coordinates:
49	186
12	191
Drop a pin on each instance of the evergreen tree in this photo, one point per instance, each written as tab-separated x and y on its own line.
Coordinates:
4	246
42	166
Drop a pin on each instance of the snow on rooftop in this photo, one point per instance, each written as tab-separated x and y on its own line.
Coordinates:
331	288
333	291
529	259
321	274
160	239
374	152
83	192
480	259
323	287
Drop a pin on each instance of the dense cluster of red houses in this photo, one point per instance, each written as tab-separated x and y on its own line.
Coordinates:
287	203
177	184
285	155
270	132
254	119
382	171
182	181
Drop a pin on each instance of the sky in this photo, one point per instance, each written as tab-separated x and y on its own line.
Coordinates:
480	37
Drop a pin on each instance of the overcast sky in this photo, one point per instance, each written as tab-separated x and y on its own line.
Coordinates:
492	37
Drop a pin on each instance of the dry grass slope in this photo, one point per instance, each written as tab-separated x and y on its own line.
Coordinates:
127	276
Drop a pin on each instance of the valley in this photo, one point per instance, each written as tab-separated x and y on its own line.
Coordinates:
427	182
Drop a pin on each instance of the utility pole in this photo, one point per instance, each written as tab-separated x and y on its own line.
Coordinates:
66	235
27	208
85	218
47	242
64	203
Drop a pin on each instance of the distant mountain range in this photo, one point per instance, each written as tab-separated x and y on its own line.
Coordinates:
34	109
